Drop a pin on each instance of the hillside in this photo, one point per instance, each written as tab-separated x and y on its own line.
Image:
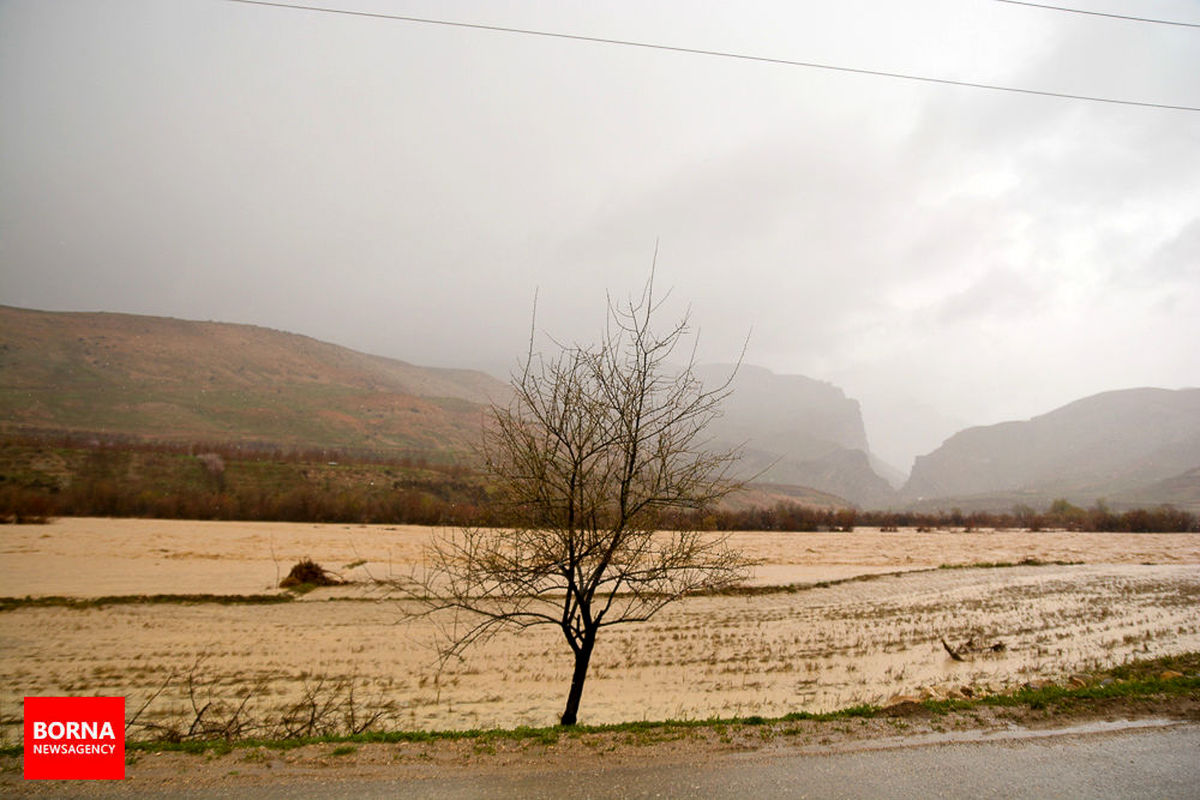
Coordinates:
155	379
1181	491
797	430
168	379
1131	446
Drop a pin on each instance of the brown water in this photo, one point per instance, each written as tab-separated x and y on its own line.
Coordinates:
96	557
814	649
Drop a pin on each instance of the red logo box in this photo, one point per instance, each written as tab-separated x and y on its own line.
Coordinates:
74	738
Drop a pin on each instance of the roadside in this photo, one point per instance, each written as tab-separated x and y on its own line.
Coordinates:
1152	694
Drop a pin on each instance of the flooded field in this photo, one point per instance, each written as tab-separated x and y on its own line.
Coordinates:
787	646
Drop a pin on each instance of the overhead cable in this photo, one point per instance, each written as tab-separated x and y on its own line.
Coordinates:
717	54
1103	14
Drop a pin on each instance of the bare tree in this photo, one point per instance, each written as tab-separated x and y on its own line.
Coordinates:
596	444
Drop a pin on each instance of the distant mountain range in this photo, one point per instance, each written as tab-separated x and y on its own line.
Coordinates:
166	379
1131	447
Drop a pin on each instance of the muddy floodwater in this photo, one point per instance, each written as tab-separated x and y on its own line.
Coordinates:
872	631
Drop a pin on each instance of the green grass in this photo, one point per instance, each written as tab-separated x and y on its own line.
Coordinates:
1136	680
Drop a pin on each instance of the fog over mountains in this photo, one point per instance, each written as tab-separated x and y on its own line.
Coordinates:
796	430
1134	446
159	378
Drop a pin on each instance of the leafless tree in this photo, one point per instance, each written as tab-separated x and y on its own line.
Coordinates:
596	444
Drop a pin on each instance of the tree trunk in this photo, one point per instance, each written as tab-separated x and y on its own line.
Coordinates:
582	656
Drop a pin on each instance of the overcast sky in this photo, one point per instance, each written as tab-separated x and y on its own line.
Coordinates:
947	255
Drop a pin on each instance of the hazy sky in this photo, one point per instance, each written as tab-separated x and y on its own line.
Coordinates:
403	188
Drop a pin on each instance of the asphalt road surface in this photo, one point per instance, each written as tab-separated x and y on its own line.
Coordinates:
1157	762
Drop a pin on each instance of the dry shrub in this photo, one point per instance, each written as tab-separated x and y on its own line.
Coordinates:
327	707
307	572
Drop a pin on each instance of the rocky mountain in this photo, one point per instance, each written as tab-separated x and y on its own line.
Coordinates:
796	430
1128	447
160	378
167	379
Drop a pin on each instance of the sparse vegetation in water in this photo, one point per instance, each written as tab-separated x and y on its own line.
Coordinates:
13	603
307	575
1029	561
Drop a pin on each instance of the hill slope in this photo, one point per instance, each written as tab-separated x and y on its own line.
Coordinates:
159	378
1129	445
797	430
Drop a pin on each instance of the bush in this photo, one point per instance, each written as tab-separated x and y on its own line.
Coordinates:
308	573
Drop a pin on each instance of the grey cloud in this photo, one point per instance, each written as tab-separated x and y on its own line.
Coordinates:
1178	260
999	292
406	189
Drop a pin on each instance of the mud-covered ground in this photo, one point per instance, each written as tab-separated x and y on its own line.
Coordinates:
866	638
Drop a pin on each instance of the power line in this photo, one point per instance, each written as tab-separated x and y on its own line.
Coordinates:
717	54
1103	14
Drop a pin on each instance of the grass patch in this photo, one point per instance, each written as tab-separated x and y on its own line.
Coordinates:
1025	562
795	588
1169	676
13	603
639	733
832	716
